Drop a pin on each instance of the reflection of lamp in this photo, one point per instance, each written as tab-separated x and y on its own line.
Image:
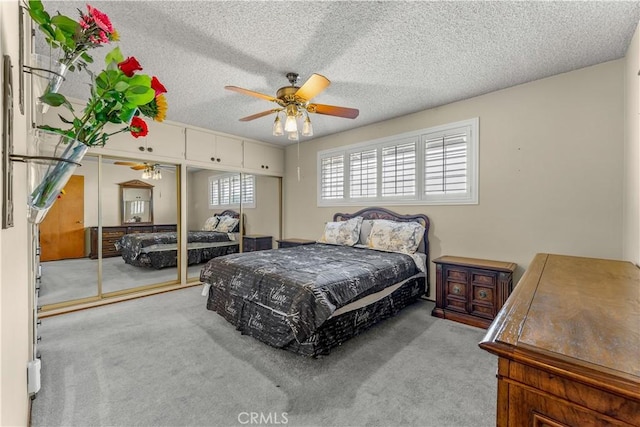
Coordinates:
151	172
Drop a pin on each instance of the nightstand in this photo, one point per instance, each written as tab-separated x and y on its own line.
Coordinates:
470	290
256	242
289	243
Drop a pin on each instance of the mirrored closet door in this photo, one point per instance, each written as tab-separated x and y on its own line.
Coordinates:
139	218
113	230
66	272
214	194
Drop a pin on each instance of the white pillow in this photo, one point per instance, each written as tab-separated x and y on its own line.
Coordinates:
227	224
393	236
211	223
365	231
344	233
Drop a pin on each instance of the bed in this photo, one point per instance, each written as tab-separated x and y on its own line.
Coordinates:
309	299
160	250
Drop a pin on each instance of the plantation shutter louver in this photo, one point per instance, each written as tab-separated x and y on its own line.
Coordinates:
332	177
363	171
399	170
446	163
248	189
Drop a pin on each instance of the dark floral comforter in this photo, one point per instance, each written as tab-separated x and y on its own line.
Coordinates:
132	245
283	295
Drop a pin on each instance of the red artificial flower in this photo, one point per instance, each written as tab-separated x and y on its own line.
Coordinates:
157	86
102	20
138	127
129	66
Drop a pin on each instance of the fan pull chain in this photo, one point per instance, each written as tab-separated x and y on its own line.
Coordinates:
298	160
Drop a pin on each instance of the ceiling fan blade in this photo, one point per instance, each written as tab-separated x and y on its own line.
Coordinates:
139	167
250	93
257	116
126	163
313	86
332	110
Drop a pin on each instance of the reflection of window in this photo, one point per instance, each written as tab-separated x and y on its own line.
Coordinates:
226	190
136	207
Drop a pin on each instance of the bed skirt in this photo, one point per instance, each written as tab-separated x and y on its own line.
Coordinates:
335	331
169	258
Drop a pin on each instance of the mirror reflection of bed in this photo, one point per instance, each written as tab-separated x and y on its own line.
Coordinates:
63	277
210	192
93	270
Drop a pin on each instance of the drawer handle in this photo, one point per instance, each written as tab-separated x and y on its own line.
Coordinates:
141	148
483	294
150	149
456	290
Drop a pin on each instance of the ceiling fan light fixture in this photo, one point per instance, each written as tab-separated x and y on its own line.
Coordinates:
307	128
290	125
277	127
292	136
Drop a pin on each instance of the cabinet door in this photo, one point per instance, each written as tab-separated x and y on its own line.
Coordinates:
483	293
455	282
216	149
263	158
201	146
163	140
229	151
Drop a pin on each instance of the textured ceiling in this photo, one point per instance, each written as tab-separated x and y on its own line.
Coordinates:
386	59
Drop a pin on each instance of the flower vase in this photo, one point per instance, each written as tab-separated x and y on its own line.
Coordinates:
49	76
53	158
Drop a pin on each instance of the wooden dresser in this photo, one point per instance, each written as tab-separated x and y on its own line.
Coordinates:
568	343
111	234
471	290
292	242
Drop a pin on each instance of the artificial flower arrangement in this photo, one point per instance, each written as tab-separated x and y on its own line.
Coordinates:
118	95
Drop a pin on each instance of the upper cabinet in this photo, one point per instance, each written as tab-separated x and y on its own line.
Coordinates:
215	149
263	158
163	140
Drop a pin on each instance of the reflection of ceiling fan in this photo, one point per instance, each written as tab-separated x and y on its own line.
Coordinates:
149	170
295	102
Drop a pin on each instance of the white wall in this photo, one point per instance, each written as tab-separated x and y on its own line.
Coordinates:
15	299
550	171
631	211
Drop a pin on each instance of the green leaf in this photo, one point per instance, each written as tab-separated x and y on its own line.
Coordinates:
140	80
69	122
60	36
140	95
87	58
114	56
48	31
121	86
66	24
55	100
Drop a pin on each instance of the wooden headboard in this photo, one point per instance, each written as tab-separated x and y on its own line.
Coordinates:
382	213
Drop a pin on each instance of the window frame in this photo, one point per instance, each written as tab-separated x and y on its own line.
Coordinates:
470	197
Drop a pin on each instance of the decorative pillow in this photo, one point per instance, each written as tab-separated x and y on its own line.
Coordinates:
393	236
227	224
211	223
365	231
344	233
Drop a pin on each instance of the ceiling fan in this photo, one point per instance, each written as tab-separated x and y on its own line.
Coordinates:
149	170
295	102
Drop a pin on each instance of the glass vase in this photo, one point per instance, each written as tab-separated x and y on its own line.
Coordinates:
49	75
53	158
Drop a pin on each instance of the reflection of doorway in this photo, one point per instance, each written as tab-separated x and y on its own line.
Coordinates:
62	231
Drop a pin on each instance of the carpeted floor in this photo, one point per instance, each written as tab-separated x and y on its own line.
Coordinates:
165	360
71	279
